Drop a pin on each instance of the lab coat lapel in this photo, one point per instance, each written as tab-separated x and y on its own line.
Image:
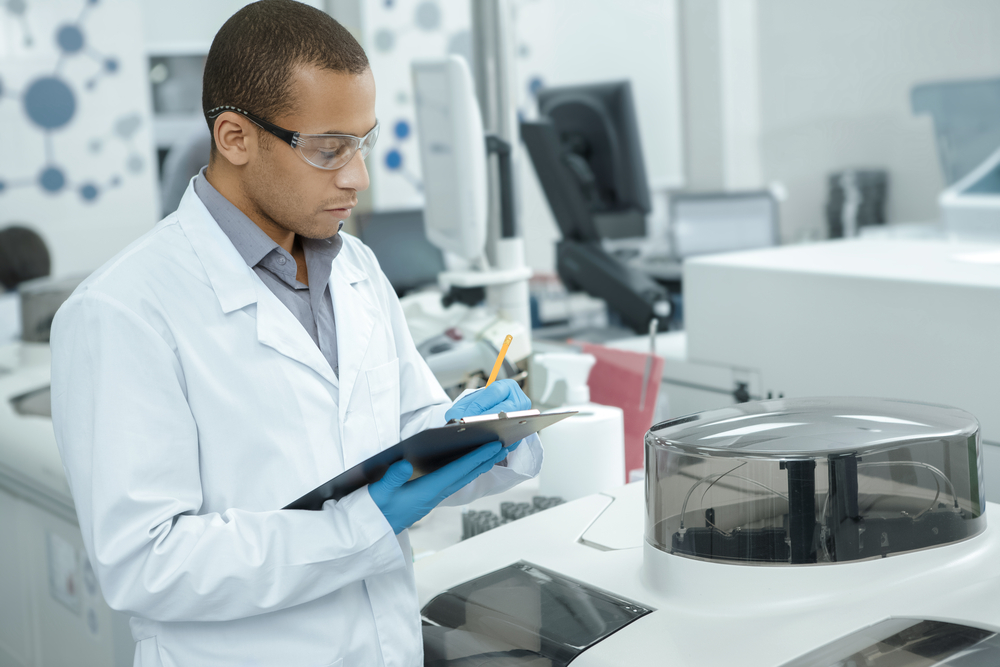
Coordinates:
237	286
278	329
355	316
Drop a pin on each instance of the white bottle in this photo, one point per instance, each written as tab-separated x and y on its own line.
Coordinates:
585	453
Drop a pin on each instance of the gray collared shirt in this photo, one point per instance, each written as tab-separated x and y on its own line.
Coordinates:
312	304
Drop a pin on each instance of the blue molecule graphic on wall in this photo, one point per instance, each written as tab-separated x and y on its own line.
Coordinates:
52	179
49	102
402	129
393	159
70	38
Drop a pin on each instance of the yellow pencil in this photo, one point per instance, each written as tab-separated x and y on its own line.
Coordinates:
503	353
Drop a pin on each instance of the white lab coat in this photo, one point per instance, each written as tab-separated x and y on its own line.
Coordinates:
190	406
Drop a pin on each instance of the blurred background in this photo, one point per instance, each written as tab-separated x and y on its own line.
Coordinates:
707	258
100	99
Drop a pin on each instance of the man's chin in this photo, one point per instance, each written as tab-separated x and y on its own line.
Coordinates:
324	228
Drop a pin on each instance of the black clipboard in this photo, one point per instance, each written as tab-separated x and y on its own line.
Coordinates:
429	450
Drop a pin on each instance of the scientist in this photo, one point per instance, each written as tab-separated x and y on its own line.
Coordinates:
240	354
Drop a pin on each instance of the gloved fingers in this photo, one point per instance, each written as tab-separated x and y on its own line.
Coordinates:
446	475
394	477
509	405
501	396
397	474
484	467
514	446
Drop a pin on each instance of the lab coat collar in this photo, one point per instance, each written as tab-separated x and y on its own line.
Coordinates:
237	286
231	278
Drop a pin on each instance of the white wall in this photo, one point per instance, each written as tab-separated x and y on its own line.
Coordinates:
835	80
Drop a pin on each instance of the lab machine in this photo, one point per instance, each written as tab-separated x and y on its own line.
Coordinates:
453	153
906	319
585	148
797	532
53	613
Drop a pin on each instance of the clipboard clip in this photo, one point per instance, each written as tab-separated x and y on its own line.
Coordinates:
494	417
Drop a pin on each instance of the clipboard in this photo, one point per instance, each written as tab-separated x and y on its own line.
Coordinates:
431	449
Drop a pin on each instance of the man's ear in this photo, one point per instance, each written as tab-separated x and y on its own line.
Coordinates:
234	137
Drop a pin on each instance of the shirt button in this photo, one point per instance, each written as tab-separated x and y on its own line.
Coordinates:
281	260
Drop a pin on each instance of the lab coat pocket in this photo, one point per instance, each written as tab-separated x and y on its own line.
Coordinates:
383	389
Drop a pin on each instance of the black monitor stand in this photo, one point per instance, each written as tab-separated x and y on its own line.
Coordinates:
581	261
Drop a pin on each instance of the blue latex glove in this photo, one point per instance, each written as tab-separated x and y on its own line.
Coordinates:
501	396
404	503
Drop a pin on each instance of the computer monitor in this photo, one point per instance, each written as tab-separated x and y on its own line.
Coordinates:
452	156
598	136
586	151
400	244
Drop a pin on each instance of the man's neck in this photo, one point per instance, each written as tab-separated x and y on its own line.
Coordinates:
228	185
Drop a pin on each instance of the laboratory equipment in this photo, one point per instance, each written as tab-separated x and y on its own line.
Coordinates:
710	223
971	207
856	198
599	133
965	116
802	531
53	613
589	161
40	299
453	151
399	241
908	319
453	156
586	453
23	256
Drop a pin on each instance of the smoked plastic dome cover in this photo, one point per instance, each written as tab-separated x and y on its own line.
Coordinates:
813	480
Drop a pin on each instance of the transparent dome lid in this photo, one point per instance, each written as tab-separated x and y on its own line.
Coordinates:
813	480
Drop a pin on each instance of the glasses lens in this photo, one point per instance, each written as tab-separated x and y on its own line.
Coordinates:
328	152
369	141
334	151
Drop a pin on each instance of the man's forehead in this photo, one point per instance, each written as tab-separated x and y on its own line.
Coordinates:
332	102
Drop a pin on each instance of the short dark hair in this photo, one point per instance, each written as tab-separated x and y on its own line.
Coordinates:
255	52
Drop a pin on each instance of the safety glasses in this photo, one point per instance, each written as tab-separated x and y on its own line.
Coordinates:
326	151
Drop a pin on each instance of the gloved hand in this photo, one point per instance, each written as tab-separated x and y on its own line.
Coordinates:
501	396
404	503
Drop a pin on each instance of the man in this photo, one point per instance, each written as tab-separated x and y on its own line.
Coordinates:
240	354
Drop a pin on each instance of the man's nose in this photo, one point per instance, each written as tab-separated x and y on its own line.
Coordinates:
353	175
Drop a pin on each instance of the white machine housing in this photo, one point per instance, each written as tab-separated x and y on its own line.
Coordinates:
888	318
53	613
698	611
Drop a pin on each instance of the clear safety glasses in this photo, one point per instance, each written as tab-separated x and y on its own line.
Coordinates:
326	151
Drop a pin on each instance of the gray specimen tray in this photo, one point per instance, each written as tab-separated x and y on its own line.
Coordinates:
429	450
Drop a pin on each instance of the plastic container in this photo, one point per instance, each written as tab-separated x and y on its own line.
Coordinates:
585	453
813	481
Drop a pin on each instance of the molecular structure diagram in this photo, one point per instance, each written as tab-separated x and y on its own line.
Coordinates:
427	18
50	104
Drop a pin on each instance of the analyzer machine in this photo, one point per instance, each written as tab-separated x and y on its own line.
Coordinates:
796	532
